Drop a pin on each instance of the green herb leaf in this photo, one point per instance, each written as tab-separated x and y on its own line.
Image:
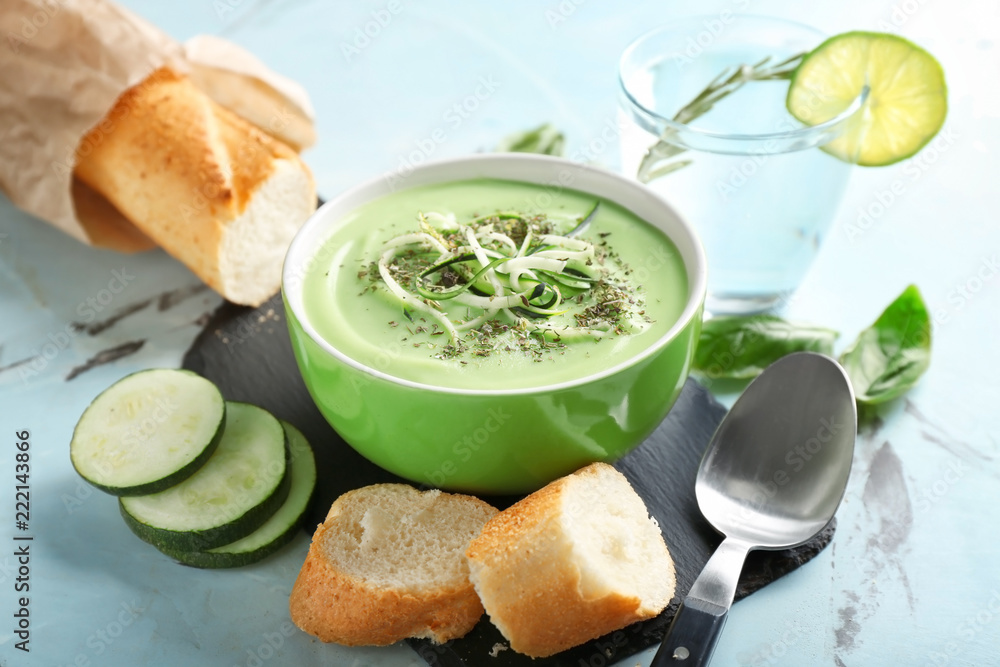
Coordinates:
545	139
890	356
740	347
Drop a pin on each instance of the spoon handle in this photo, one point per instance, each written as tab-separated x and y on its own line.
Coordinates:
694	632
692	636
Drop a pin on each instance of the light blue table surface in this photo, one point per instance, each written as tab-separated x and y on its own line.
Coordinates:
913	575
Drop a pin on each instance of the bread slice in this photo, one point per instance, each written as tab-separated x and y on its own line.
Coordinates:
237	80
571	562
214	191
256	102
388	563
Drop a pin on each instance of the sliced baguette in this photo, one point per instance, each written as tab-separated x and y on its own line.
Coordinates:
571	562
214	191
237	80
387	564
256	102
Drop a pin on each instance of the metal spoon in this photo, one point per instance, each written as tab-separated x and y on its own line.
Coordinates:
772	478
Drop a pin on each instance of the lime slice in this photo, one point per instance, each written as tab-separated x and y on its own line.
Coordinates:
906	104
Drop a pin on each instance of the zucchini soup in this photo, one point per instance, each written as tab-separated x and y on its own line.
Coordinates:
493	284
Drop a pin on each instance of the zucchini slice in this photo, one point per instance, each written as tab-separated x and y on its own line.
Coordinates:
244	482
148	432
279	529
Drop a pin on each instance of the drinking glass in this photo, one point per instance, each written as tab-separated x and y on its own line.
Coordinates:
752	179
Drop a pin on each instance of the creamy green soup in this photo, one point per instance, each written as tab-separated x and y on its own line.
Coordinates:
492	284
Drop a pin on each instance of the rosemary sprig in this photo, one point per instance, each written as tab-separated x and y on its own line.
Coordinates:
658	160
545	139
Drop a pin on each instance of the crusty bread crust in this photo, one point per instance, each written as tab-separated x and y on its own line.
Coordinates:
336	606
523	570
181	168
105	225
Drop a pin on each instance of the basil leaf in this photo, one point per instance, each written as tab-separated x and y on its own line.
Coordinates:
890	356
740	347
545	139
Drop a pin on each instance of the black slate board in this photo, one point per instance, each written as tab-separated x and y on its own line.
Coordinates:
248	353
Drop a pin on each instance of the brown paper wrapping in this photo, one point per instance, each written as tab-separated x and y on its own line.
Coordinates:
63	64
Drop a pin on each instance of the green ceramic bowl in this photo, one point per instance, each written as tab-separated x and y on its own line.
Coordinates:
496	441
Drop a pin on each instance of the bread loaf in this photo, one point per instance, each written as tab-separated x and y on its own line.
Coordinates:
257	103
214	191
388	563
571	562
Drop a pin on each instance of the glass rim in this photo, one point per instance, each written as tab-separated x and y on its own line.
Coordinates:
811	134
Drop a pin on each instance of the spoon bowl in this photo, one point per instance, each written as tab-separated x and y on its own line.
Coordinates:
775	471
772	477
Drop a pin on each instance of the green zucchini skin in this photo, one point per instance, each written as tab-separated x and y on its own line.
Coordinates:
219	560
219	535
169	480
303	473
